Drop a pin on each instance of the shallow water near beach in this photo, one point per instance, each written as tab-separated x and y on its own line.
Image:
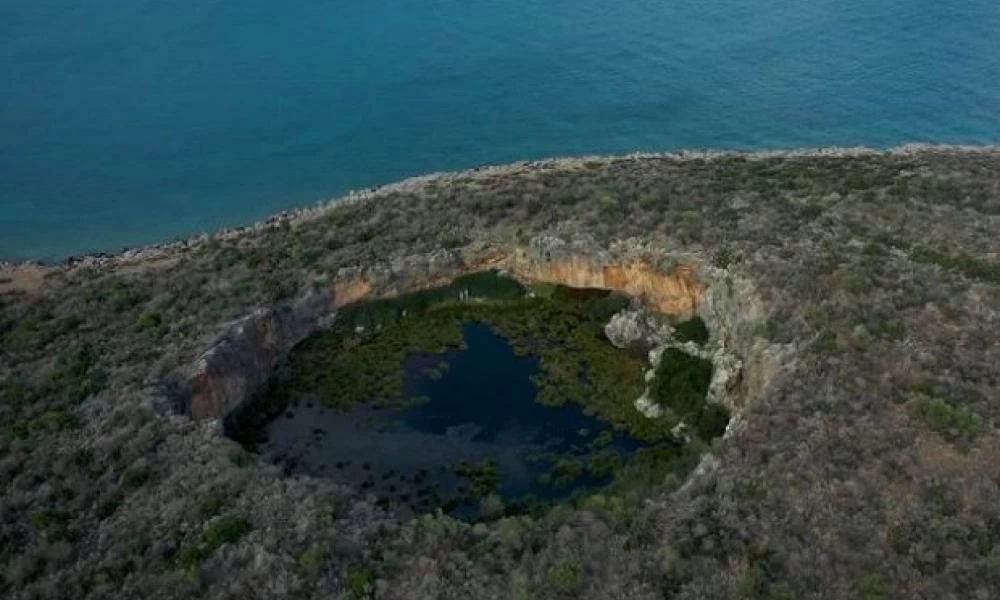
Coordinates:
126	123
478	405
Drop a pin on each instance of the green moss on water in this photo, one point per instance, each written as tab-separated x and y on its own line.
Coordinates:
566	471
482	478
380	313
362	358
605	463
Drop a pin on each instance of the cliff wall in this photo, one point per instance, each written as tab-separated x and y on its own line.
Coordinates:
239	363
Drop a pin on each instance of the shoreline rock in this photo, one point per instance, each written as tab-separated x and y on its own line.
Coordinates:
323	206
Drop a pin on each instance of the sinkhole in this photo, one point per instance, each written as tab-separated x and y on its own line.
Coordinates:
482	398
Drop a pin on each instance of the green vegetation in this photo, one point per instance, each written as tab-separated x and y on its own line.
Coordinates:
566	471
354	364
564	580
873	587
691	330
50	523
604	463
969	266
680	386
564	328
310	561
360	581
648	468
488	285
152	322
711	421
483	478
957	424
225	530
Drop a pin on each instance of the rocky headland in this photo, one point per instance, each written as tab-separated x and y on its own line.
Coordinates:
852	301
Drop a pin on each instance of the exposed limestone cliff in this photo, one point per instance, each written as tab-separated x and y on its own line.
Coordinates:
235	368
671	291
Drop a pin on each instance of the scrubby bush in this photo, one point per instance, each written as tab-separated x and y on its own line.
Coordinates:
681	382
691	330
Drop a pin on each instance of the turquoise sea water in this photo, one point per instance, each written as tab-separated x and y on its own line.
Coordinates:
126	122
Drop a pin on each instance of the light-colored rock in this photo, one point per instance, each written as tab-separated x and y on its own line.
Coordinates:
726	370
648	407
636	326
626	328
655	354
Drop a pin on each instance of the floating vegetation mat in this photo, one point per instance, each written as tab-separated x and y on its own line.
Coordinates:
480	399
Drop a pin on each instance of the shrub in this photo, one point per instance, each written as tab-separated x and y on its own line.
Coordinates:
120	295
601	309
693	330
50	523
711	421
227	530
566	470
53	421
955	423
681	382
564	579
311	560
873	587
135	476
212	503
605	463
360	581
152	322
969	266
77	375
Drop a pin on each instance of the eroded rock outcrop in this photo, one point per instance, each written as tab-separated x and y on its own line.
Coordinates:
668	289
236	366
636	327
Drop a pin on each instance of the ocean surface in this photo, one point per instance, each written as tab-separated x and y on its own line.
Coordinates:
125	122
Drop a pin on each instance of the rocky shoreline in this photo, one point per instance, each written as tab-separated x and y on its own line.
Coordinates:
161	250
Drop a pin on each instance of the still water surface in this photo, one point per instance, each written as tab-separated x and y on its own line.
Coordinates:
482	406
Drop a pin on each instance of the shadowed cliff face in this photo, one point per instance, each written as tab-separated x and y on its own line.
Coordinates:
235	368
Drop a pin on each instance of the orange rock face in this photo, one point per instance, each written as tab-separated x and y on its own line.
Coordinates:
346	292
678	293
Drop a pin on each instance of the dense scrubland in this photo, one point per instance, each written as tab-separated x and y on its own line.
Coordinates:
868	469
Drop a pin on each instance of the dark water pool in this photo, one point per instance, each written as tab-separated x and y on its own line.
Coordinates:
475	405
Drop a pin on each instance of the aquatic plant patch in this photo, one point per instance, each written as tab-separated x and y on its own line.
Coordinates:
477	398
